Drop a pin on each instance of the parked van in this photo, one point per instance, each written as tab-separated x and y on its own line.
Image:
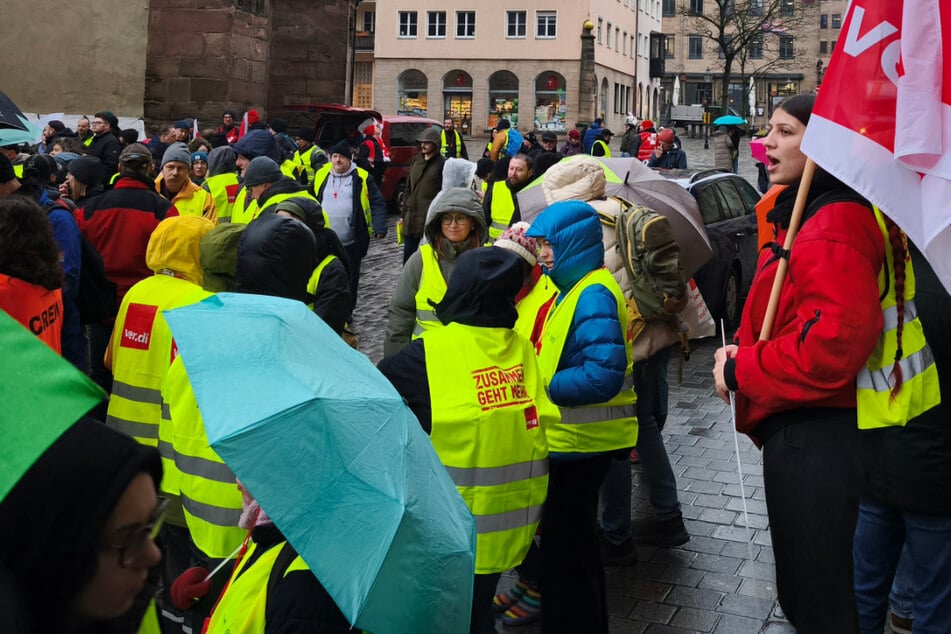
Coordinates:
336	122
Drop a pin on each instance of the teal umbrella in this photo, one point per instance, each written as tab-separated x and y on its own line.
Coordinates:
42	396
729	119
335	458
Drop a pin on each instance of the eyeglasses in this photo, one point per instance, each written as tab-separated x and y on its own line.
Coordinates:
135	546
459	219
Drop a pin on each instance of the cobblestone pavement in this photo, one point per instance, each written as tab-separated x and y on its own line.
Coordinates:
722	580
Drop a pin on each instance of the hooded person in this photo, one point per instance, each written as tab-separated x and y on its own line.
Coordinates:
78	533
329	284
255	145
222	180
138	368
276	256
586	360
475	387
454	226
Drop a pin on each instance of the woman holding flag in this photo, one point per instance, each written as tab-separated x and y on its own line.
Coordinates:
806	384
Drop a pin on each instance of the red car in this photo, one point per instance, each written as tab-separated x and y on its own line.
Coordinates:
335	122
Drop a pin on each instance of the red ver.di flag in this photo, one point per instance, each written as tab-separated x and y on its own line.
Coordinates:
882	120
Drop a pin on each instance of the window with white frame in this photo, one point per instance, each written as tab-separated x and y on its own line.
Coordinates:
624	45
515	24
436	24
600	27
786	49
465	24
369	21
608	41
546	23
407	23
695	47
617	37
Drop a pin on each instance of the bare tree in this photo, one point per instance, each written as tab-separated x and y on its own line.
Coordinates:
760	33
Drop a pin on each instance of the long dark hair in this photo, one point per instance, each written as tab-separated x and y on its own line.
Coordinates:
28	250
799	106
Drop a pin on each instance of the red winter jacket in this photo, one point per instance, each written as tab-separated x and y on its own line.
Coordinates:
828	321
119	224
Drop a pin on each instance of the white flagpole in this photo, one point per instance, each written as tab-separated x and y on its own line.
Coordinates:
739	466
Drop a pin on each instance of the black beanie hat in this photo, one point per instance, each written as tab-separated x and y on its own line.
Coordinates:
40	167
129	135
86	169
342	147
52	520
278	125
305	133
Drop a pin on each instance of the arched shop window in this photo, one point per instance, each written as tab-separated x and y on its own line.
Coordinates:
503	98
551	105
457	99
412	98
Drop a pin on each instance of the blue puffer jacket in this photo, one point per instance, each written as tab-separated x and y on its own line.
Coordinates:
593	361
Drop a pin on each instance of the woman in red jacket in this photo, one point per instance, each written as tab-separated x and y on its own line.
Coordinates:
796	392
31	276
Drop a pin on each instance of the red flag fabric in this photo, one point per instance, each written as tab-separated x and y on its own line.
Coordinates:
882	120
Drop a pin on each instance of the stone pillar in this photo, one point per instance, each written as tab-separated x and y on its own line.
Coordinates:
587	84
309	54
204	57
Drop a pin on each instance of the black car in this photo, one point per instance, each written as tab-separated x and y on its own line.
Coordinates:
727	204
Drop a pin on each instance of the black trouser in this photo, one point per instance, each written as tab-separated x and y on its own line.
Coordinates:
353	254
572	579
483	619
812	470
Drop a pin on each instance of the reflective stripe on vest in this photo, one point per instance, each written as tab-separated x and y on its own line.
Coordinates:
489	415
432	286
920	390
211	504
444	148
242	607
607	150
320	178
502	210
141	354
224	190
599	426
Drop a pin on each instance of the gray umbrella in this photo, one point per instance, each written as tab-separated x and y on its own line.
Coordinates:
576	178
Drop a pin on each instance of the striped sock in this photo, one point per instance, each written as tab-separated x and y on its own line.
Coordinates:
527	610
504	600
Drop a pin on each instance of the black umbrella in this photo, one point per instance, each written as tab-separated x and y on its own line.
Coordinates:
10	115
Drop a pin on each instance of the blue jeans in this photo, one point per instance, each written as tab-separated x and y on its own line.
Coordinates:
879	536
902	594
650	383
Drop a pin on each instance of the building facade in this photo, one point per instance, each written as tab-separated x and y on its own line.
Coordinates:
519	61
788	58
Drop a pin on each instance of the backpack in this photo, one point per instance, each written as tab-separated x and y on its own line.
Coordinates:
97	297
653	283
514	145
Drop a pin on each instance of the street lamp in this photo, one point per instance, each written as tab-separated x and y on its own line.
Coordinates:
708	85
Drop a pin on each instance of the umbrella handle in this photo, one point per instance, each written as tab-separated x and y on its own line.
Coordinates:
798	208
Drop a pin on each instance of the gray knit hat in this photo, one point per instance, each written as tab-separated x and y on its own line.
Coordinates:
261	170
177	152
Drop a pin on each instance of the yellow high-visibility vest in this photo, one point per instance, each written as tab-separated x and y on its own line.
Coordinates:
320	178
241	609
502	210
224	190
141	354
602	426
489	416
432	286
920	389
210	497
